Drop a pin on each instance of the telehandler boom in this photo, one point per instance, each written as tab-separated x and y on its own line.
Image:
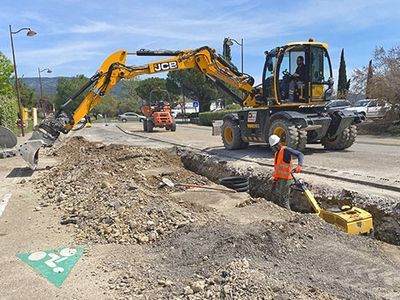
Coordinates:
267	109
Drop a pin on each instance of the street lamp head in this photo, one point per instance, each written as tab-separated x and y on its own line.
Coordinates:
49	71
31	33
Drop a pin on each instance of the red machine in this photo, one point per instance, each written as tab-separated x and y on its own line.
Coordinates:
158	114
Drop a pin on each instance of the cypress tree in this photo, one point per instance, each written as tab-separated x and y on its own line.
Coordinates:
369	77
226	50
343	84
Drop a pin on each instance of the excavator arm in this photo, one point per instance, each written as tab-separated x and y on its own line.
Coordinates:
114	69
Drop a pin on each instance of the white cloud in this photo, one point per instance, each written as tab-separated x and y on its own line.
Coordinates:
89	32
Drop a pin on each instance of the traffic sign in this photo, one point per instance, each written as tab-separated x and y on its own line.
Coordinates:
55	264
195	103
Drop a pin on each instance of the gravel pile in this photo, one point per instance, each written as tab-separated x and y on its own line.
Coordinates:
104	192
177	250
238	280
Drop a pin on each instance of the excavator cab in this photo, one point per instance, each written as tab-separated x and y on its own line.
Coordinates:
297	73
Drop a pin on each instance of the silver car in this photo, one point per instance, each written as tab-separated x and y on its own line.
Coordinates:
131	116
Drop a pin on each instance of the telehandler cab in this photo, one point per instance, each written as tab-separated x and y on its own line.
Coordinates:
284	104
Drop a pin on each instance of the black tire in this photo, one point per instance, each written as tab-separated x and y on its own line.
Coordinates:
124	120
150	126
173	127
344	139
230	133
301	146
352	136
290	135
145	125
167	127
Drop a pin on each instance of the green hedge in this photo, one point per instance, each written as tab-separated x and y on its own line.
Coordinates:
206	118
8	111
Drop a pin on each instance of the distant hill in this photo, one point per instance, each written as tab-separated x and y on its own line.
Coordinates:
50	85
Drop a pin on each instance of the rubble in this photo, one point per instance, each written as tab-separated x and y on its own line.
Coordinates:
173	249
105	193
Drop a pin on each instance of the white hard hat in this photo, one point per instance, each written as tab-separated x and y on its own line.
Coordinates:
273	140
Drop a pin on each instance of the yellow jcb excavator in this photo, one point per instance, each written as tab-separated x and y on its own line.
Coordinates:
283	104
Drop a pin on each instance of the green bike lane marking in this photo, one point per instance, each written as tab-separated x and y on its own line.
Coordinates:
55	264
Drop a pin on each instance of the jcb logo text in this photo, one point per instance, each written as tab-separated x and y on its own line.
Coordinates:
165	66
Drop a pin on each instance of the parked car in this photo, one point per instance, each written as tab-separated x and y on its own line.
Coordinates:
370	107
131	116
338	104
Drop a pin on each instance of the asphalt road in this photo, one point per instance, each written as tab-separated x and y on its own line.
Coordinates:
376	158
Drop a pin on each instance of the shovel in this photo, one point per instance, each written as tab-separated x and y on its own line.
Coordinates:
169	183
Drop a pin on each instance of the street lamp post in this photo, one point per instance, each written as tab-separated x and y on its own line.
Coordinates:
40	80
230	43
29	33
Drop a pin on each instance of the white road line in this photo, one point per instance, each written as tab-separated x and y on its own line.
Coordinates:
3	202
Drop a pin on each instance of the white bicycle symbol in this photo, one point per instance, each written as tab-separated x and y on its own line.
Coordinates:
54	258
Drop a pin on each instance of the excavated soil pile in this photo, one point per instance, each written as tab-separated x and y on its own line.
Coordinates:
103	191
195	248
304	258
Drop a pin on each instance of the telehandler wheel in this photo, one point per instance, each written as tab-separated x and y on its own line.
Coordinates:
290	136
173	127
145	125
150	126
344	140
231	138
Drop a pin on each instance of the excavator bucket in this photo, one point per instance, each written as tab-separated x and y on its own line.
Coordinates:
30	152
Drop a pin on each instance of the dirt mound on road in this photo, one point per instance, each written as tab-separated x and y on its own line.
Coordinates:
104	191
180	249
304	258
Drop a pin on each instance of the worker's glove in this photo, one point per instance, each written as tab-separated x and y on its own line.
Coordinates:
298	169
275	182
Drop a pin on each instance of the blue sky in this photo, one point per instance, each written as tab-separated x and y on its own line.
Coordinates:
75	36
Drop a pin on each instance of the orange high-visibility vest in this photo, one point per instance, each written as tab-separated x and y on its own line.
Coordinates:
282	169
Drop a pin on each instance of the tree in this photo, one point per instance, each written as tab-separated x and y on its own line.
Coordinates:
8	101
226	50
343	83
6	70
369	78
8	111
130	100
384	83
27	94
66	87
107	106
146	86
195	85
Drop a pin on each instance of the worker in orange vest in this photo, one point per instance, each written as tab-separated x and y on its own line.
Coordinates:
283	168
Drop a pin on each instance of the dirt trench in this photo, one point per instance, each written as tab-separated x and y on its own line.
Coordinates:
158	242
386	212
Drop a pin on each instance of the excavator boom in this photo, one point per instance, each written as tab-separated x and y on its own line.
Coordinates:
113	69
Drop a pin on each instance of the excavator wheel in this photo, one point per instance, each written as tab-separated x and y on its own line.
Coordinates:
173	127
230	132
150	126
301	146
344	140
290	135
144	125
